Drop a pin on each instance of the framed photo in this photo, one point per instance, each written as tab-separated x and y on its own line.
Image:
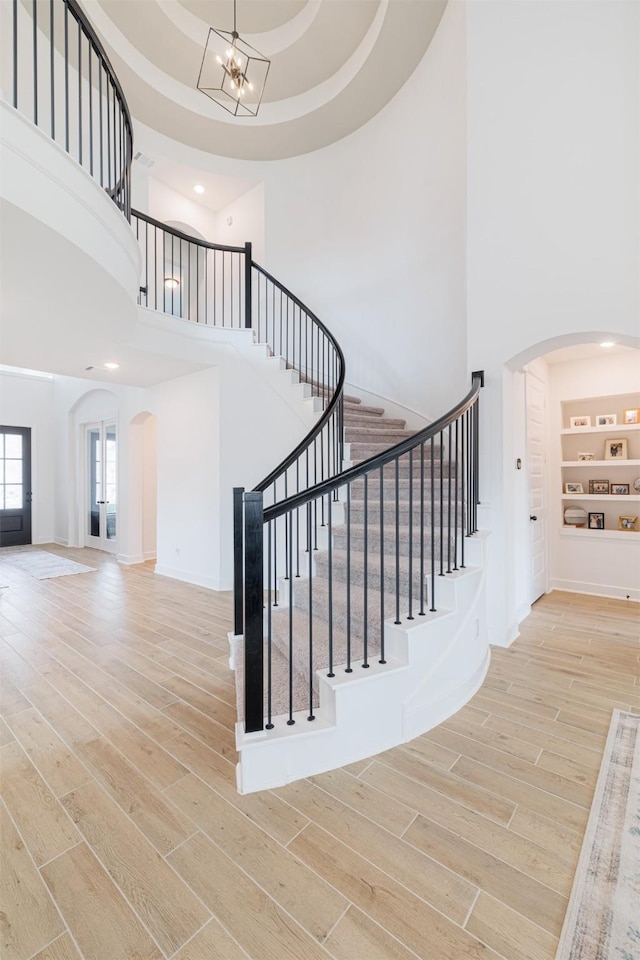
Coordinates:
598	486
615	449
580	421
606	419
596	521
627	523
573	488
619	488
632	415
586	456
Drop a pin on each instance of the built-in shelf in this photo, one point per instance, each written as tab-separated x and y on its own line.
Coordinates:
630	498
621	428
599	534
600	463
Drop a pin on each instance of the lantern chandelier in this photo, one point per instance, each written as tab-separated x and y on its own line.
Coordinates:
232	73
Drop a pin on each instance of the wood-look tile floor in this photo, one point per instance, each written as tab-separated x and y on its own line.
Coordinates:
124	839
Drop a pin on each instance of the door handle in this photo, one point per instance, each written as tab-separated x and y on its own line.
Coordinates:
532	517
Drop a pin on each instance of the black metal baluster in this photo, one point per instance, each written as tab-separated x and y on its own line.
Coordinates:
79	93
441	507
66	77
455	505
290	721
449	499
330	589
275	557
91	114
14	26
397	517
365	620
349	667
100	123
432	608
52	71
311	716
410	614
465	512
382	659
422	612
269	723
34	15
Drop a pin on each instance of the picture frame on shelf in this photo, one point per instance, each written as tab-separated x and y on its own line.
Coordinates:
627	523
599	486
586	455
571	487
606	419
579	422
615	449
632	415
596	521
619	489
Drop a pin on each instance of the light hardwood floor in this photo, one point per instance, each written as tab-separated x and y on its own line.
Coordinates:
124	839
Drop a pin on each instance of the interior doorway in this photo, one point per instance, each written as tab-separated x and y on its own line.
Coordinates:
15	486
101	486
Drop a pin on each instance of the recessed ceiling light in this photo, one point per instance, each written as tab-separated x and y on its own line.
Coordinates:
199	188
111	366
608	343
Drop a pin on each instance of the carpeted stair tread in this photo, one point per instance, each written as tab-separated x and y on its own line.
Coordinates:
373	572
372	421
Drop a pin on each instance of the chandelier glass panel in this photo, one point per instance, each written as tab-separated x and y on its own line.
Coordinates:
233	73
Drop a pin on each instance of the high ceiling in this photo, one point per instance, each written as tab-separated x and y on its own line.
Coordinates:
334	65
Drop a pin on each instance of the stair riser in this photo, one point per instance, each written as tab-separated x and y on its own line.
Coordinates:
357	512
372	421
362	451
373	546
385	437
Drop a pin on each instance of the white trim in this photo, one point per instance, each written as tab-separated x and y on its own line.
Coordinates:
596	589
208	582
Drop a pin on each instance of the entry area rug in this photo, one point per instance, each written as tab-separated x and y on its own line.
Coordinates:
603	916
39	563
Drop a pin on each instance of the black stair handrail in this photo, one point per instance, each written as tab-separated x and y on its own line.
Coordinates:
332	405
75	95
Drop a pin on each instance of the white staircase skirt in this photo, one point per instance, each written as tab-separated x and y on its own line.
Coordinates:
434	666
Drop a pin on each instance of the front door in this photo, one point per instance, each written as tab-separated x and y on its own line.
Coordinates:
536	438
15	486
101	515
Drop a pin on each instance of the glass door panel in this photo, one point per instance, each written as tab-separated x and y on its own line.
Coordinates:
15	486
102	486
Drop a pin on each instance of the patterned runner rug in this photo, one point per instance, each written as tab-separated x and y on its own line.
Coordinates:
603	916
39	563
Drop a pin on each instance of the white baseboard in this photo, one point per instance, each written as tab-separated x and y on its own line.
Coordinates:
149	555
61	542
596	589
128	560
198	581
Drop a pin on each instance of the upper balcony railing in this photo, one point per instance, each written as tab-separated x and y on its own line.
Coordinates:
56	72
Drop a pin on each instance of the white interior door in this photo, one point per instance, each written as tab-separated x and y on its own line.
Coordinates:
101	487
536	459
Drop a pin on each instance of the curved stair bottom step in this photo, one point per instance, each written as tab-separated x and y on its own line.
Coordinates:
432	670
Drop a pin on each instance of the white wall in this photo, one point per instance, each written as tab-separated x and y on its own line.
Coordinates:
552	234
247	222
166	204
27	401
